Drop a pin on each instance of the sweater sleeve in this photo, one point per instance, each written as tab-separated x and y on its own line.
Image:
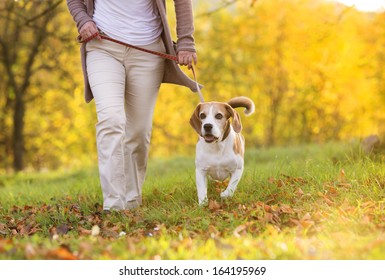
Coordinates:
184	25
78	10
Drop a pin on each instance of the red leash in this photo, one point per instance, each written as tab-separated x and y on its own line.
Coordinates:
163	55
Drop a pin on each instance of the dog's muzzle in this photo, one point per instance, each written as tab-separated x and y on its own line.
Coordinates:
208	136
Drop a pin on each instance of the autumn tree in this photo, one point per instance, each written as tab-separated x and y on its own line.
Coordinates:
375	58
303	62
24	32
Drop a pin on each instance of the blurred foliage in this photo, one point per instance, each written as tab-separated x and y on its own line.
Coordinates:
314	69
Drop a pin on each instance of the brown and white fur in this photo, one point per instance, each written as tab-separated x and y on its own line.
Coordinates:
220	148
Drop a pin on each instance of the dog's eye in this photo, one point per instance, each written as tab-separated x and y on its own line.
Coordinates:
218	116
202	116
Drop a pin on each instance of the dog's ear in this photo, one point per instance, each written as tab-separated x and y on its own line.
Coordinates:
227	130
237	125
195	121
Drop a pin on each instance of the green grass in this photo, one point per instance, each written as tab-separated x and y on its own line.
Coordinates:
305	202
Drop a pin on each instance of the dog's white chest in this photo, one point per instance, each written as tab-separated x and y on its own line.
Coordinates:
216	161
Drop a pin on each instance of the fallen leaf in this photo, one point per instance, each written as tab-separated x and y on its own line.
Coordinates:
4	243
307	223
62	229
307	216
61	253
327	200
29	251
34	230
214	205
84	231
238	230
213	231
299	192
24	229
286	209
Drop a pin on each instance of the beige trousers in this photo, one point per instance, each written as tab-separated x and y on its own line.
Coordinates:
125	84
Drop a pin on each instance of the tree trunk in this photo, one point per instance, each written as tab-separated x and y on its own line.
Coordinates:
18	135
21	22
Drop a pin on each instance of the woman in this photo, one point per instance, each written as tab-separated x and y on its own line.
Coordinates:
125	82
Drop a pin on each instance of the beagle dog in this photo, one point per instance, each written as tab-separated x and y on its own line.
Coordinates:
220	148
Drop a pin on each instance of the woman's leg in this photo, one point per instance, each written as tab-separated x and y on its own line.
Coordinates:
144	76
107	79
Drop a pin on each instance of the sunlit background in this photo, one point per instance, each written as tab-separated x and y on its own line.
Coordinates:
313	67
365	5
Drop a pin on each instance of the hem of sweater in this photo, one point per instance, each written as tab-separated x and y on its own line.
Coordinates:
186	49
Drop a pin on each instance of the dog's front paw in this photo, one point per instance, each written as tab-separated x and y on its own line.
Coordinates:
227	194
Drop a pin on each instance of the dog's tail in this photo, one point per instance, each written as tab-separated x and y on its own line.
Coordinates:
244	102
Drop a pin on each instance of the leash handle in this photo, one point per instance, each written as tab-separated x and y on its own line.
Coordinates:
163	55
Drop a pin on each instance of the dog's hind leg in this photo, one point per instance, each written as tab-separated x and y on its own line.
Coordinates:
232	186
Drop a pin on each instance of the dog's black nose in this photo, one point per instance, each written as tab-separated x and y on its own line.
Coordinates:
207	127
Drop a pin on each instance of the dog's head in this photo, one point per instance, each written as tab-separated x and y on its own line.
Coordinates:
211	120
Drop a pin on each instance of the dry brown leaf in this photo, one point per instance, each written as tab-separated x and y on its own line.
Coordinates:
294	221
344	185
29	251
332	191
286	209
368	204
299	192
114	235
306	223
4	243
83	231
271	180
34	229
235	214
307	216
62	229
214	205
238	230
267	208
269	217
61	253
213	231
319	216
327	200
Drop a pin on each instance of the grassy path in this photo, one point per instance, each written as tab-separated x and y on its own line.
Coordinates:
307	202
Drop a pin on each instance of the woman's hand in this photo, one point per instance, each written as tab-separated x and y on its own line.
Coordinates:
88	29
187	58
